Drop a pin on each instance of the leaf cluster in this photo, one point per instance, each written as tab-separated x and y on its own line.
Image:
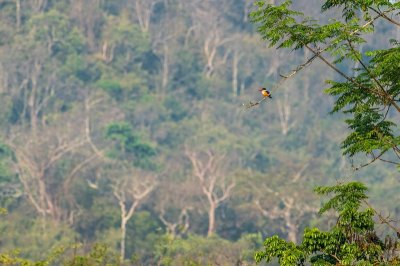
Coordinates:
351	241
66	256
129	145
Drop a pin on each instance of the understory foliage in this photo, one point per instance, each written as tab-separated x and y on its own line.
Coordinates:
352	240
71	255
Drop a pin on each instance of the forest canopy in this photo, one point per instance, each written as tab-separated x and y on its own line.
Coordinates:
125	137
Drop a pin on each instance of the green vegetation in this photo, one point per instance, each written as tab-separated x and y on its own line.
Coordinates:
122	123
352	240
370	96
67	256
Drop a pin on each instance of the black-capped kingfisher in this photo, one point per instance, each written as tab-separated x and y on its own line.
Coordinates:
265	93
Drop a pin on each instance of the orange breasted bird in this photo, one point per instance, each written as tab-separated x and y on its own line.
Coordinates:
265	93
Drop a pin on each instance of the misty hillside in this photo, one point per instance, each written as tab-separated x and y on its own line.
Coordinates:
124	123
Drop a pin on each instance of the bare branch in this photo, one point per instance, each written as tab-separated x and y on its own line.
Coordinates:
383	14
383	219
298	175
313	57
225	193
206	166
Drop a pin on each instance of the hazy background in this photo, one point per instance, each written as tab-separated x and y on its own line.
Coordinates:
125	117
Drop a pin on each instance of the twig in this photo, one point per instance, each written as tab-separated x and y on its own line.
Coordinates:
315	55
382	14
385	93
373	160
382	219
387	161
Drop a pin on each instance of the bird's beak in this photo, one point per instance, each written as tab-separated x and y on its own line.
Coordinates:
259	89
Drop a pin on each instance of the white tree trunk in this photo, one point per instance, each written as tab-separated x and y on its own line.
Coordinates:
235	63
165	75
211	219
18	13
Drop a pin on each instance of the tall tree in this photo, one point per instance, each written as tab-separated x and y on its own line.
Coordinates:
38	158
130	190
370	94
208	168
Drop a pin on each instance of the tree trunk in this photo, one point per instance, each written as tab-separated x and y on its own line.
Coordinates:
208	173
235	63
211	219
164	82
32	107
127	213
291	227
3	79
123	237
284	110
18	13
143	14
210	50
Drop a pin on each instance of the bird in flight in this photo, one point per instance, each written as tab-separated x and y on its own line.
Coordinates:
265	93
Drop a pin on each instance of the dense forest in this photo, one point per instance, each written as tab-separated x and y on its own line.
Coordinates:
126	132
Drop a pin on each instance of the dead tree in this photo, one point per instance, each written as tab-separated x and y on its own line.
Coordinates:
143	11
235	72
208	26
179	227
292	205
212	42
208	168
130	193
291	213
284	110
161	44
36	157
18	13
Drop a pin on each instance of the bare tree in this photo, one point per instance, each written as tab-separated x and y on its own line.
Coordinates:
18	13
211	31
284	110
36	158
235	72
208	168
130	192
161	44
174	201
178	227
3	79
212	42
289	206
86	13
62	137
35	87
143	11
291	213
36	6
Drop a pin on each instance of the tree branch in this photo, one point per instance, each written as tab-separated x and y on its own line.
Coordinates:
382	219
383	14
312	58
387	96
